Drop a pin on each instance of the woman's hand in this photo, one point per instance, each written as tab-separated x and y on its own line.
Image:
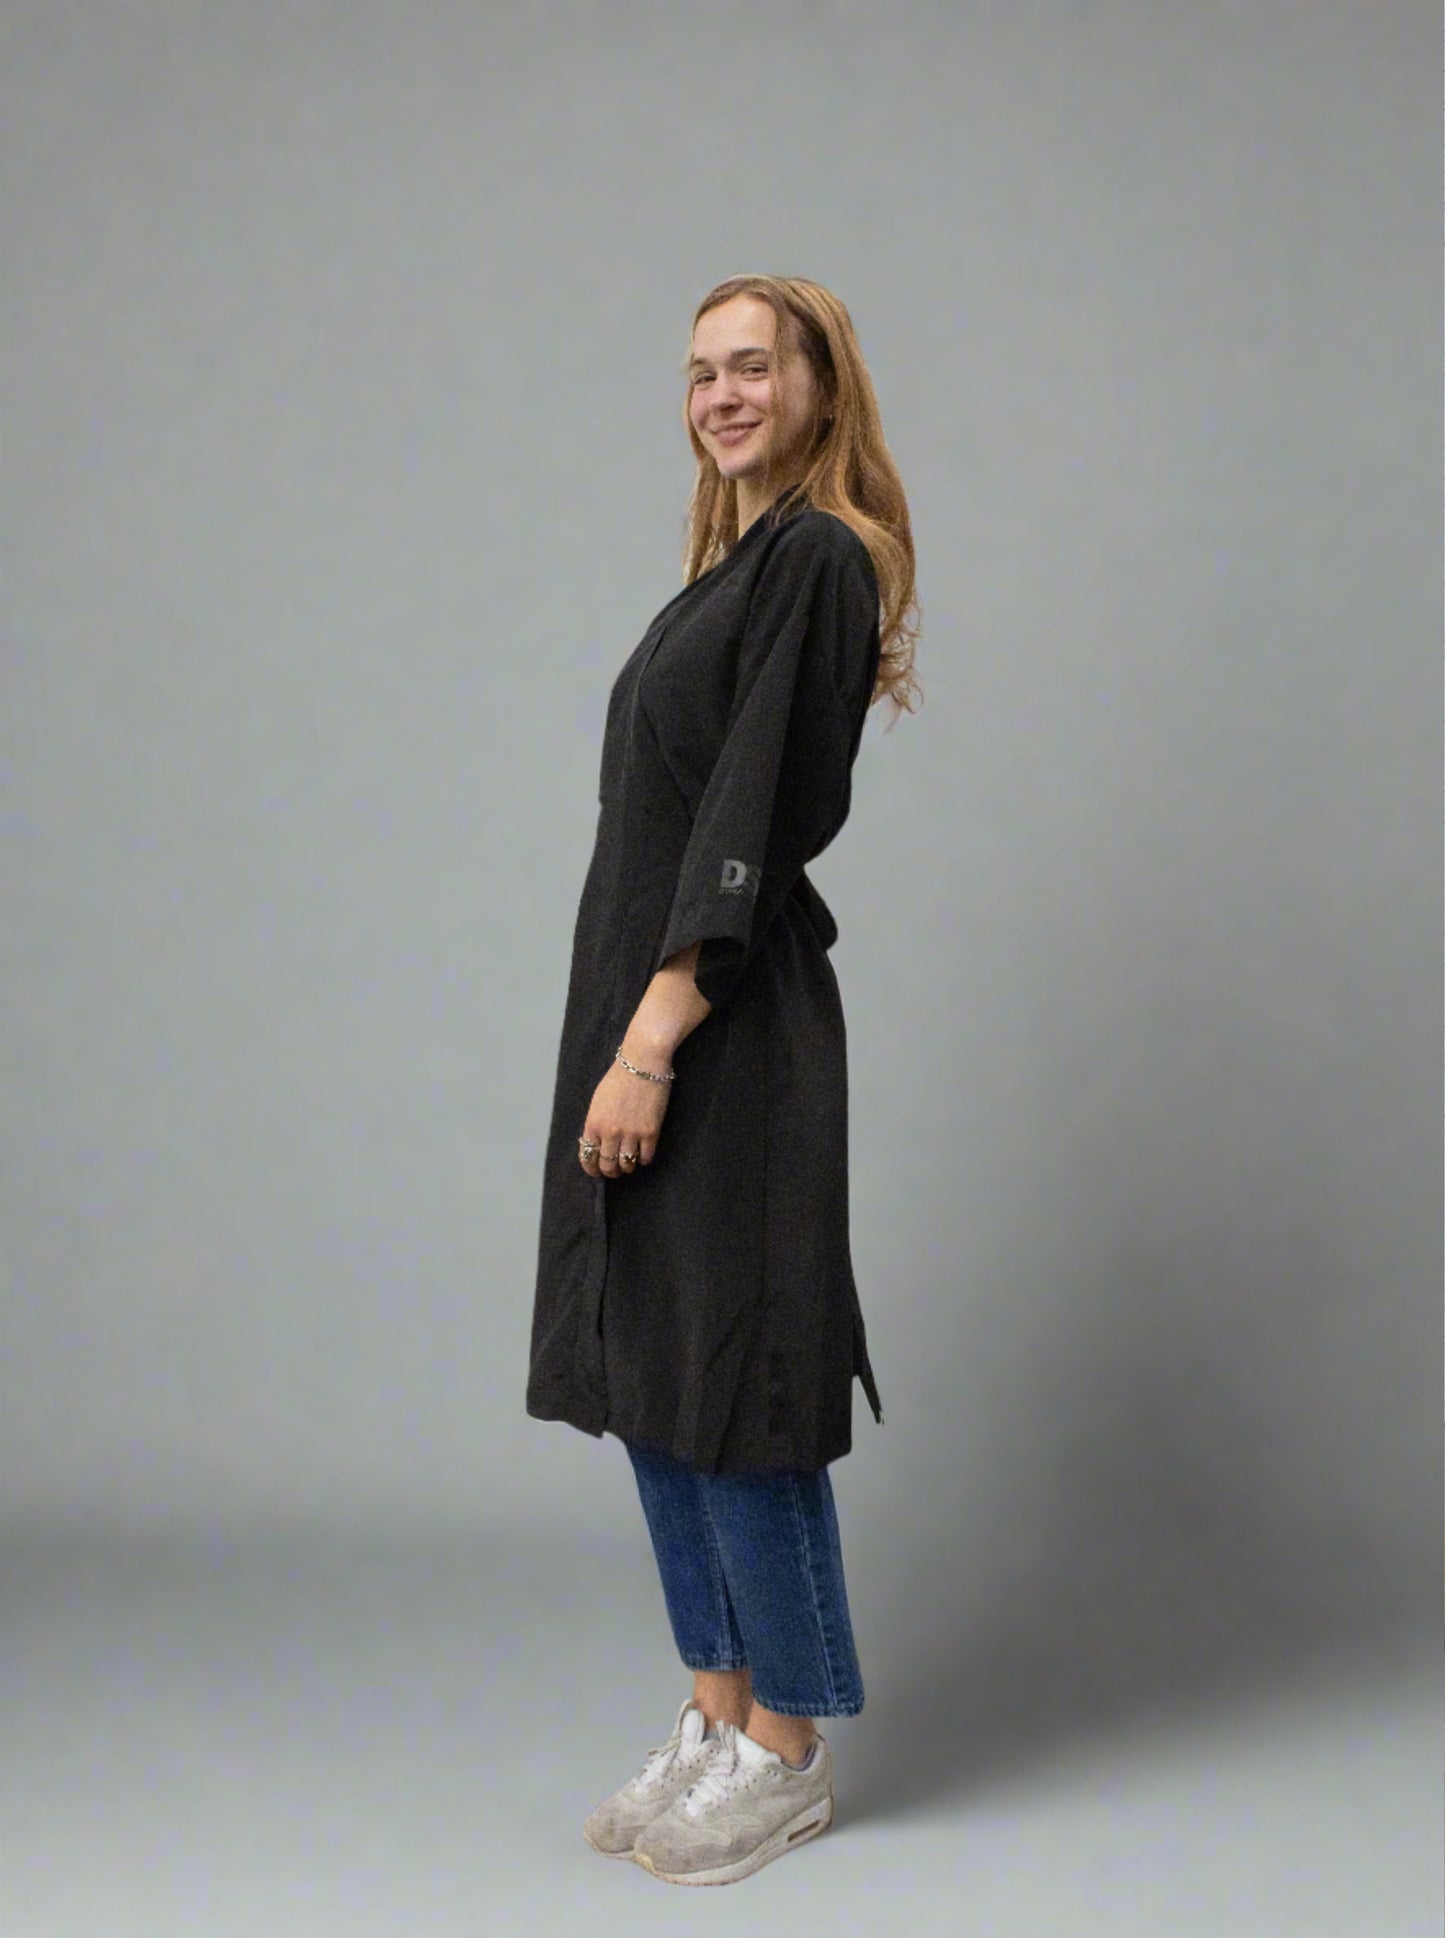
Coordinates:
625	1114
626	1111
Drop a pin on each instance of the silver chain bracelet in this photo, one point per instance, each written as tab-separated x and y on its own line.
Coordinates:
651	1075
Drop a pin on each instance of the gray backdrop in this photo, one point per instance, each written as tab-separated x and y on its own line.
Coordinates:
342	468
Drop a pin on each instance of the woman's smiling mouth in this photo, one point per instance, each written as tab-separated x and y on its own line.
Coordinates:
734	433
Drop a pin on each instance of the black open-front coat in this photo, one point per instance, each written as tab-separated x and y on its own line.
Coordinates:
706	1303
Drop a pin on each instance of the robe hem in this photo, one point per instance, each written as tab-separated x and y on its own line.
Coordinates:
567	1405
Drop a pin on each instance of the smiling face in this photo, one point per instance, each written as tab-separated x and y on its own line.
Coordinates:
751	400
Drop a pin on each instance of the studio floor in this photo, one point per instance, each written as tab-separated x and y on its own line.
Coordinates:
300	1739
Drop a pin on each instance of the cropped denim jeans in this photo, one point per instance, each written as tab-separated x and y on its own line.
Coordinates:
752	1575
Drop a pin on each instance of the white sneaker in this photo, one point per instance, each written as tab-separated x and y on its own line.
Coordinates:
613	1826
746	1808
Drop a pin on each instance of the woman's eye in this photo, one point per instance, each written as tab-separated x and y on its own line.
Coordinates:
749	370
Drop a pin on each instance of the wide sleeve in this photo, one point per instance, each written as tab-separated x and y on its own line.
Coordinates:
781	785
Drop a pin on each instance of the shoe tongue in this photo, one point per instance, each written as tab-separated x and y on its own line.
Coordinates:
751	1752
694	1727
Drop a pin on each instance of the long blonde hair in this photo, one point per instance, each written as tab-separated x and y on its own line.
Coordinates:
846	466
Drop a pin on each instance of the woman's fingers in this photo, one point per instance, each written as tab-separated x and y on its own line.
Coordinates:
602	1162
621	1124
612	1146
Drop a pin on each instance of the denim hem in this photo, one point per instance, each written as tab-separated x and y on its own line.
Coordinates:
836	1708
714	1668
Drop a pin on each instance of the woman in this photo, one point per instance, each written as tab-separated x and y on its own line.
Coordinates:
695	1291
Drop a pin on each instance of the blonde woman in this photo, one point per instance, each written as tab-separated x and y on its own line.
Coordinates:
695	1293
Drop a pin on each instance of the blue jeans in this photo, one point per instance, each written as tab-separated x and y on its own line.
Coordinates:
752	1574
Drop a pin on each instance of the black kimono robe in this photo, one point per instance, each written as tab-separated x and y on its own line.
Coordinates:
705	1303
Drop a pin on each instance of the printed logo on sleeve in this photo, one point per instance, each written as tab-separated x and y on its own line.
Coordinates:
740	878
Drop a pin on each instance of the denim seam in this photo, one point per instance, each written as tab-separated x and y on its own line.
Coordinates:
726	1620
813	1587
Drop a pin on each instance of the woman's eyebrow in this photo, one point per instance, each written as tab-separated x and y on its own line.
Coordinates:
735	357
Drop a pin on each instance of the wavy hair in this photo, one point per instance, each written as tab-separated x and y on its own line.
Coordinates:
844	466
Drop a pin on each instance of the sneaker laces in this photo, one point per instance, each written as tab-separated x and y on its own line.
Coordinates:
656	1764
724	1774
660	1760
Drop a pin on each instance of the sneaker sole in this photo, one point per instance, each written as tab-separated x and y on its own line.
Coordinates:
809	1823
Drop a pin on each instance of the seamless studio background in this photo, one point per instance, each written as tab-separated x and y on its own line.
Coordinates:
342	467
